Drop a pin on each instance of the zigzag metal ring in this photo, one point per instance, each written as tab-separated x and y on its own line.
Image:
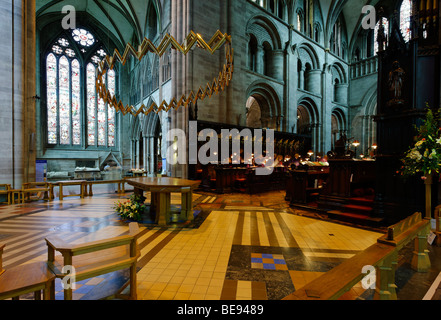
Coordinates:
219	84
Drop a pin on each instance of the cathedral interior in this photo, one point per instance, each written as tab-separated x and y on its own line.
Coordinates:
92	91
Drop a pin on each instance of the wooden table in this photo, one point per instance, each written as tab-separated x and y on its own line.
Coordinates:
61	184
28	278
161	189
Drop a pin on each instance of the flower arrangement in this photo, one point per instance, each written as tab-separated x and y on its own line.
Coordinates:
131	209
425	156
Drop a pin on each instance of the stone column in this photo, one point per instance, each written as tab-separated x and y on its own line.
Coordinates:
146	153
17	92
302	78
277	64
341	93
313	81
260	59
182	73
152	154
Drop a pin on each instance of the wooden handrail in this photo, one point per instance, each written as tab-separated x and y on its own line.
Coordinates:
383	255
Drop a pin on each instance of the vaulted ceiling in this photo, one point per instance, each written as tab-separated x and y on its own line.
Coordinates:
125	20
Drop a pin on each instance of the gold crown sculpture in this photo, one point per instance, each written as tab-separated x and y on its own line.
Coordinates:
218	85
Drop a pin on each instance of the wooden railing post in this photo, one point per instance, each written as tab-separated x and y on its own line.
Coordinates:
385	285
437	226
420	259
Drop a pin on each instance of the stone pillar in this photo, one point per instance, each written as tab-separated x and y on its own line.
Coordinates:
260	59
136	154
152	155
313	81
182	73
17	92
146	153
277	64
341	93
302	78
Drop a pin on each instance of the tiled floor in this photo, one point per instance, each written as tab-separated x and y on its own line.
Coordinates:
240	247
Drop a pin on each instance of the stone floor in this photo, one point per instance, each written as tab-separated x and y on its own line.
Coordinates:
240	247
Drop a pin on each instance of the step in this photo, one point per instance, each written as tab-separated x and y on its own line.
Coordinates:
361	200
357	208
354	218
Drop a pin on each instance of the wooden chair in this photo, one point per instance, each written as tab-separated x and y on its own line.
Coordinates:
5	190
95	258
36	187
27	278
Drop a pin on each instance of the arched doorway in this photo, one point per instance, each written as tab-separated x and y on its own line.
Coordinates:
308	123
303	121
154	144
338	126
254	113
263	107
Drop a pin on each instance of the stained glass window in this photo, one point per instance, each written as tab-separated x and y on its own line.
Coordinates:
76	102
385	23
83	37
91	103
111	84
405	16
66	103
52	99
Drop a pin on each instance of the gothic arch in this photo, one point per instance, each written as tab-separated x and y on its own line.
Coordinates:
363	124
153	19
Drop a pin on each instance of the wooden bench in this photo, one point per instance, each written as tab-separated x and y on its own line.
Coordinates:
61	184
95	258
36	187
121	187
27	278
5	190
383	255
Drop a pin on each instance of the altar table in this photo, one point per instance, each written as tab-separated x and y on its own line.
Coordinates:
161	189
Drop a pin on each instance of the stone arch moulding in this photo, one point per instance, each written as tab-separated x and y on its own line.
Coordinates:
340	70
311	106
305	53
259	22
269	102
341	116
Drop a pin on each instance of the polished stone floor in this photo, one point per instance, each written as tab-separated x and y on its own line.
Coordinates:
240	247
